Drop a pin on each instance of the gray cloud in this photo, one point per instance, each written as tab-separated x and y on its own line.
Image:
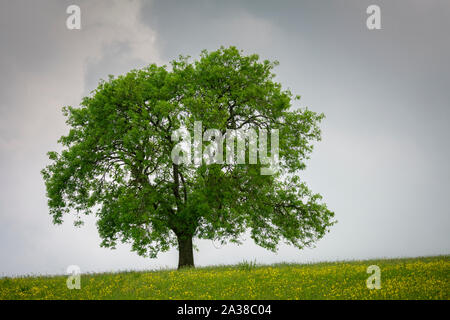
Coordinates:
382	164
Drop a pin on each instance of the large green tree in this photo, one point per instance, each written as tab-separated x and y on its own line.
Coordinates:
116	160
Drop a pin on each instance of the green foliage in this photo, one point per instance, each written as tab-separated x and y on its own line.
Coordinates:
116	162
247	265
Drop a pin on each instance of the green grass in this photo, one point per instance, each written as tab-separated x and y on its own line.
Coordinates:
410	278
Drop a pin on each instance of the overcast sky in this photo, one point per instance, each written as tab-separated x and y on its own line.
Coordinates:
382	165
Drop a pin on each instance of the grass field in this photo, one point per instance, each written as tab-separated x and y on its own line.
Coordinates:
411	278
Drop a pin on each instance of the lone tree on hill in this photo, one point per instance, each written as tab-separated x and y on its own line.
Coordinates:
117	162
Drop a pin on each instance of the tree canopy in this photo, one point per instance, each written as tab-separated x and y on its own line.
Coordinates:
116	159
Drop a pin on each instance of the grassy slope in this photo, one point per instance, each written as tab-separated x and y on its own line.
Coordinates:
411	278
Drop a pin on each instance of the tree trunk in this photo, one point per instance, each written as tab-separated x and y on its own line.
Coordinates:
185	252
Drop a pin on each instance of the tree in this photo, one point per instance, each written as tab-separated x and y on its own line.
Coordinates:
117	162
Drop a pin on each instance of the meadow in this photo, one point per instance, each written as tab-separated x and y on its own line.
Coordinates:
409	278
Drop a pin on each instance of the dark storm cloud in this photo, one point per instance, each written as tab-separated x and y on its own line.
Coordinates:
382	164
